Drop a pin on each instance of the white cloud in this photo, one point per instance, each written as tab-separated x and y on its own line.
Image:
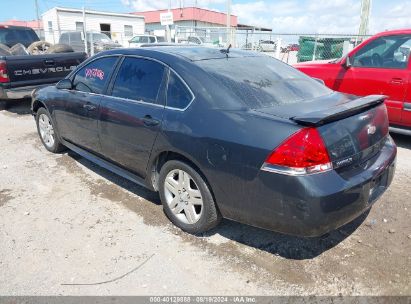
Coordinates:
300	16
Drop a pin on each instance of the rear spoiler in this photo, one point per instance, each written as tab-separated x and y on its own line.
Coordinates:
338	112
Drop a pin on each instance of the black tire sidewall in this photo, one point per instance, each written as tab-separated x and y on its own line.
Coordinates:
60	48
57	145
210	216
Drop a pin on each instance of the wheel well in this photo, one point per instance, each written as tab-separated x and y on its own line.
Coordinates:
37	105
164	157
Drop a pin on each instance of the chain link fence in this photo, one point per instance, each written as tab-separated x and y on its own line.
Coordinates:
290	48
100	40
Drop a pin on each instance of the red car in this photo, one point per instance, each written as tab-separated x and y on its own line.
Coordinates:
379	65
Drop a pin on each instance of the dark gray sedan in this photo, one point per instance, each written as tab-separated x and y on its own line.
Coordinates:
224	133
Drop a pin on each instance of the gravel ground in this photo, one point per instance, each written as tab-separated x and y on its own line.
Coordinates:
66	221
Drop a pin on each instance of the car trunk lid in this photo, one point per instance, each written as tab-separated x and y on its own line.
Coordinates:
354	129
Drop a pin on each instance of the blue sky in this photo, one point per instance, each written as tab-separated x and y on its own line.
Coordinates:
284	16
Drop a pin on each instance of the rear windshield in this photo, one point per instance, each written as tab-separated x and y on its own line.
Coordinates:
262	81
11	36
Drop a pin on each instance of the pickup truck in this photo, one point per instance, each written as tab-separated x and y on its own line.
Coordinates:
379	65
20	74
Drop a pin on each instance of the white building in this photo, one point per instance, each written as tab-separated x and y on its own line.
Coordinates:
120	27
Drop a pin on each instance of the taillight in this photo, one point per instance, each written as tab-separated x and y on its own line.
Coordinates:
302	153
4	77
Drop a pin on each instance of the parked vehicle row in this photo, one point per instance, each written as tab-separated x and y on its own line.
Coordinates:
224	133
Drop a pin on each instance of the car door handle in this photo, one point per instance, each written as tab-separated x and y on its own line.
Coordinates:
396	81
150	121
89	107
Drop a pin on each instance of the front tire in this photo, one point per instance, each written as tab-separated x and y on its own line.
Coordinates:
47	133
186	198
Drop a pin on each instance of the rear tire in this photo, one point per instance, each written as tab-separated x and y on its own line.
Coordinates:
186	198
4	50
60	48
39	47
47	131
4	104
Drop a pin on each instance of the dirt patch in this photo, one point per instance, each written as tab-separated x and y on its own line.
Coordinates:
5	196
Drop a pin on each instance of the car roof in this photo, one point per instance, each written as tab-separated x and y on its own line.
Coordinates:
188	52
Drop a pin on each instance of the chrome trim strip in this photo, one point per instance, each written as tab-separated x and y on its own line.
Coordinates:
289	171
135	101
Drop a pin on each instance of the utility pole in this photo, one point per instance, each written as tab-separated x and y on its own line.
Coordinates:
85	28
168	29
365	17
36	3
228	22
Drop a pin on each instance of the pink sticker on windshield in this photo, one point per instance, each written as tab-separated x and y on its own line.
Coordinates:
93	73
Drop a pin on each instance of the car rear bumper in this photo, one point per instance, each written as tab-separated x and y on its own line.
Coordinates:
19	93
314	205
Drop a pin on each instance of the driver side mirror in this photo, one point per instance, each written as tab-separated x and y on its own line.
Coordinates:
64	84
347	64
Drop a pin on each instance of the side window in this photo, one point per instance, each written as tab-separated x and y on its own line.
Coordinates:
93	77
390	52
152	39
139	79
178	95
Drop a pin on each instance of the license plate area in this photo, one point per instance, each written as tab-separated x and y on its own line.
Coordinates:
380	183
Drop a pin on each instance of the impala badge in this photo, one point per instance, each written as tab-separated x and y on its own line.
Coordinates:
371	129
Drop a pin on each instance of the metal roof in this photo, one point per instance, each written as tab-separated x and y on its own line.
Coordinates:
76	10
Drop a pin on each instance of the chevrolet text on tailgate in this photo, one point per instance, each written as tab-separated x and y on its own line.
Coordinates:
379	65
20	74
224	133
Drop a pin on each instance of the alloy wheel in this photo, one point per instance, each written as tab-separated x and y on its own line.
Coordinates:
46	130
183	196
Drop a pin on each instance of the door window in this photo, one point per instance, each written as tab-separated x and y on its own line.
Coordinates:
93	77
139	79
391	52
178	95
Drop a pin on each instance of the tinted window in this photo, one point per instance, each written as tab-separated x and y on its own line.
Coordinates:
11	36
139	79
385	52
178	95
93	77
262	81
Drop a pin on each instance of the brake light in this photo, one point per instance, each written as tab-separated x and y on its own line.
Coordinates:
302	153
4	77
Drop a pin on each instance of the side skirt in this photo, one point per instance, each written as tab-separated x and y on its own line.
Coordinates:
105	164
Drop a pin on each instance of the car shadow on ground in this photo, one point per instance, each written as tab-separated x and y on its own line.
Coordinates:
286	246
18	106
289	247
402	141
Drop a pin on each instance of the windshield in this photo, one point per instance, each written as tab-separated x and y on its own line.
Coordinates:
99	37
262	81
